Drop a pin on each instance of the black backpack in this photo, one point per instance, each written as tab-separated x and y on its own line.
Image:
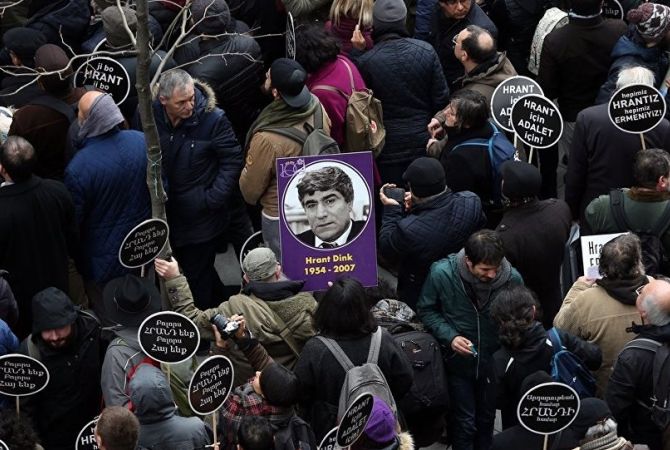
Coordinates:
429	389
292	433
654	258
314	140
659	403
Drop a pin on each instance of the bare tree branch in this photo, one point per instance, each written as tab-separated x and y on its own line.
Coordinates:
6	5
125	24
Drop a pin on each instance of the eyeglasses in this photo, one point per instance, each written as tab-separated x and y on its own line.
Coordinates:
638	291
454	41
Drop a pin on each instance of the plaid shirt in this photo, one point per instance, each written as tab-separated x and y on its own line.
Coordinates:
243	401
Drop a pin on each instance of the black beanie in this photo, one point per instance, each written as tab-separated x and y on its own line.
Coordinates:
425	177
52	309
520	179
279	385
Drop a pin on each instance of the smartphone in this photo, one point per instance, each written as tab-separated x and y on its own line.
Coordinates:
397	194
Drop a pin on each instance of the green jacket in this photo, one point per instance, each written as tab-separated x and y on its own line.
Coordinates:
642	208
447	311
262	318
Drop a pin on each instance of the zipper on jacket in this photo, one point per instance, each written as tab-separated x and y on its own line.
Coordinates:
479	350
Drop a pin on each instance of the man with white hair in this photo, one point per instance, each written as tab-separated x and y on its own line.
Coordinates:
601	155
630	392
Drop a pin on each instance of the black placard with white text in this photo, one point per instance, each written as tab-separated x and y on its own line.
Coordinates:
507	94
537	121
210	385
637	108
22	375
143	243
548	408
168	337
106	75
354	420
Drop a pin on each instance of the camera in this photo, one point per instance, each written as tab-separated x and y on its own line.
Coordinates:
226	327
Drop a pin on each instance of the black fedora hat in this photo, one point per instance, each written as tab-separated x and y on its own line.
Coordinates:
130	299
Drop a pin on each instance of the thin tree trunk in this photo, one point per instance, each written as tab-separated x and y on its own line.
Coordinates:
154	155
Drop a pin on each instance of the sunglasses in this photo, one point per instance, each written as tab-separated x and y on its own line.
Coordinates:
638	291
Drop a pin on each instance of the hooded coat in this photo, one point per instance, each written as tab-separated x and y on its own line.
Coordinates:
202	161
631	381
600	315
160	427
72	396
107	180
123	353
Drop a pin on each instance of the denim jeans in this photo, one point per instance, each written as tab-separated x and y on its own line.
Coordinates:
472	413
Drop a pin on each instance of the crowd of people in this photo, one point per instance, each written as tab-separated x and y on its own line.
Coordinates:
475	250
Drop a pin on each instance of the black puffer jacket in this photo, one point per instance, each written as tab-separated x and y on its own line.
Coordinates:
406	76
631	380
432	230
235	78
533	354
69	18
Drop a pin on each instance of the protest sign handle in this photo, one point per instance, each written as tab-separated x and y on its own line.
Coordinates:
546	441
18	407
214	428
515	140
644	146
360	15
169	372
530	155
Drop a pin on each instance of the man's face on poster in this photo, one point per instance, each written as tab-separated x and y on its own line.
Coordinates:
328	213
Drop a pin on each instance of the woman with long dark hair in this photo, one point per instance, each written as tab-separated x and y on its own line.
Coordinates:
344	316
526	347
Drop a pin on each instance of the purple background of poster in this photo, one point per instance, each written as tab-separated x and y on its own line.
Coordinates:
362	251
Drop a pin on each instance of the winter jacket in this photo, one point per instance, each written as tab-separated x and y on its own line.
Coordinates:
425	9
269	308
431	230
37	233
107	180
516	21
602	157
447	310
46	129
535	352
599	317
486	77
72	397
641	209
630	51
305	11
63	20
16	92
631	381
202	161
9	343
9	310
96	33
160	427
534	236
258	181
321	376
584	43
443	30
405	75
235	79
122	355
335	74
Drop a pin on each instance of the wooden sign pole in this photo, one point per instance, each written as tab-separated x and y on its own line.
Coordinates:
546	441
644	145
530	155
214	428
18	406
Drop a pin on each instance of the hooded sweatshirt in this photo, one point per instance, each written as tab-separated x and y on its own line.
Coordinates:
160	427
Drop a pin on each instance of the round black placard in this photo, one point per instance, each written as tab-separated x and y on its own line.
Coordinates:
22	375
354	420
507	94
329	441
210	385
106	75
168	337
86	437
537	121
612	9
143	243
637	108
548	408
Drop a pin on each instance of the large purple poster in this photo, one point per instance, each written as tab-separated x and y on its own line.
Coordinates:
327	224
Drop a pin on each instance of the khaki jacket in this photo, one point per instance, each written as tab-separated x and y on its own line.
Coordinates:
258	181
262	318
590	313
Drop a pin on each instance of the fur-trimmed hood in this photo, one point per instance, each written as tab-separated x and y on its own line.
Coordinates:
405	441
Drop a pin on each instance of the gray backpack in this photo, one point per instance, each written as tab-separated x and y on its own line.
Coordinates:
313	139
367	378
